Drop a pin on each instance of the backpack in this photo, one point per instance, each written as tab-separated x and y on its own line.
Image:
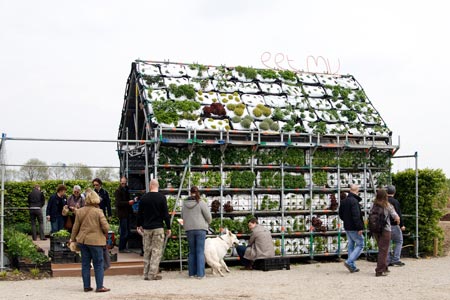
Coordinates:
377	219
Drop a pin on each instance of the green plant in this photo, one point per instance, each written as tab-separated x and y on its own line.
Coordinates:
320	127
16	272
186	90
288	75
320	178
200	68
294	181
3	274
61	234
270	179
349	159
434	193
234	155
213	179
35	272
268	73
242	179
246	122
294	157
325	158
248	72
269	156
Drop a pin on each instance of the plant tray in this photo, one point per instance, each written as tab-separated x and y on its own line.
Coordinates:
274	263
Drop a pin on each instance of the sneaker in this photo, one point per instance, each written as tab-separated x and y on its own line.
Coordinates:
355	270
378	274
349	268
124	251
146	278
397	264
156	277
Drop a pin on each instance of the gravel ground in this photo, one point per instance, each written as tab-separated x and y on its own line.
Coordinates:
419	279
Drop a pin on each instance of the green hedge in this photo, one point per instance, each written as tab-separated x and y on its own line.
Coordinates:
16	195
433	196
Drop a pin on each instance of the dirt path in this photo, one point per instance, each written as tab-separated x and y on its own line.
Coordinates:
419	279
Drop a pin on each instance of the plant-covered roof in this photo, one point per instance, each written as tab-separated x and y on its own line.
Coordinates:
243	98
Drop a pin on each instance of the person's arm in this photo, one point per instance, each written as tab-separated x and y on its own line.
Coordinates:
29	199
42	200
75	229
165	211
393	214
108	203
251	240
356	216
103	222
49	206
140	214
206	213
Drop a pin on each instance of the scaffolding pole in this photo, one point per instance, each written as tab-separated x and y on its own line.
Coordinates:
416	215
2	208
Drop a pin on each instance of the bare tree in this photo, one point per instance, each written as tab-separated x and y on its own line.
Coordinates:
79	171
59	171
107	174
12	175
34	169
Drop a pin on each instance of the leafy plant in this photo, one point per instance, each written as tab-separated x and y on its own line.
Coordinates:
248	72
288	75
269	156
213	179
433	196
61	234
325	158
294	181
200	68
35	272
235	155
186	90
320	178
294	157
351	159
242	179
320	127
268	73
270	179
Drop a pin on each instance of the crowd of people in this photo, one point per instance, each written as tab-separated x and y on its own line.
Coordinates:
86	216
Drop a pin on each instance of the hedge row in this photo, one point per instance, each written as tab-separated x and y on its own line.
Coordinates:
16	196
433	197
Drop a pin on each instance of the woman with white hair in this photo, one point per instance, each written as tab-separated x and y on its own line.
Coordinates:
89	232
75	202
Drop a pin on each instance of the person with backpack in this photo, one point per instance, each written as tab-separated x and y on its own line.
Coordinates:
396	230
350	213
380	227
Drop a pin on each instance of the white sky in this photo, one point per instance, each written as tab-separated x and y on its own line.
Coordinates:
64	65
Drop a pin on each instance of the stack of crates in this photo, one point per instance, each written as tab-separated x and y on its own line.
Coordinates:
59	251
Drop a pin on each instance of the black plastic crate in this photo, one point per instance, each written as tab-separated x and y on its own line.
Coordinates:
63	257
274	263
59	244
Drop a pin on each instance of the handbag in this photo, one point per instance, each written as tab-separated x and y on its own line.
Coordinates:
65	210
68	224
106	259
73	246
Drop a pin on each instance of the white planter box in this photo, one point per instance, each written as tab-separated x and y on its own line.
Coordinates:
276	101
173	70
307	78
270	88
148	69
250	87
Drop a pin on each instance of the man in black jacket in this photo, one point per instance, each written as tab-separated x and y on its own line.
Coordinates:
350	213
123	211
105	202
36	201
152	213
396	230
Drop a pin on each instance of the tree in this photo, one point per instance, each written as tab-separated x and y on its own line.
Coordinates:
12	175
58	172
79	171
107	174
33	170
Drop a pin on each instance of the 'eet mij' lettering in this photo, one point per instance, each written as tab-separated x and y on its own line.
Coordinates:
317	64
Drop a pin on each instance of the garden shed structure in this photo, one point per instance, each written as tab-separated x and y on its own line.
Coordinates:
275	144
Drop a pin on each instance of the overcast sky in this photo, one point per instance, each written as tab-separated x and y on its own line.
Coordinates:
64	65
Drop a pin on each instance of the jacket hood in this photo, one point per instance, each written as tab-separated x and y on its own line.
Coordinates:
190	203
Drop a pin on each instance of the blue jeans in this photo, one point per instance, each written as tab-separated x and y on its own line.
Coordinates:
241	252
196	258
57	224
124	231
355	247
397	240
94	253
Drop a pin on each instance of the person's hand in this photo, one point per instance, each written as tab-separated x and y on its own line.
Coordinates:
168	232
397	220
48	218
360	232
403	228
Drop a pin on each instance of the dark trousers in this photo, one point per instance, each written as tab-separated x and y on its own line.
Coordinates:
124	232
36	214
383	241
241	252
